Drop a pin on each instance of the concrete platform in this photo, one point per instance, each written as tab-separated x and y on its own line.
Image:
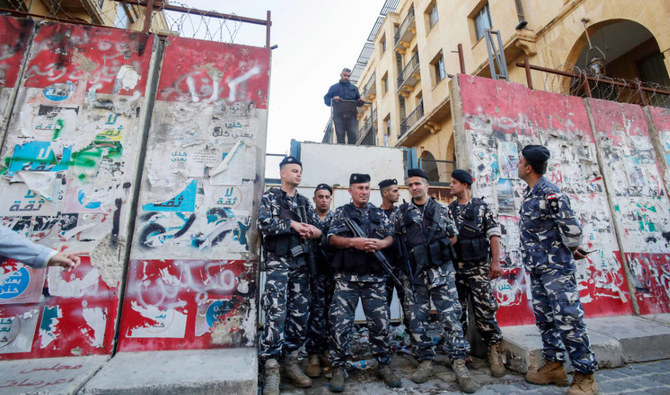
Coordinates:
48	375
523	348
663	318
222	371
641	339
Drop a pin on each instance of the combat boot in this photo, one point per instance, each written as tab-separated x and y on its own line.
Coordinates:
465	382
337	381
387	374
495	361
271	386
424	372
293	371
325	363
551	372
583	384
313	366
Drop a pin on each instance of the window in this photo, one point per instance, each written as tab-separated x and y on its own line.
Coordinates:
122	21
437	66
387	129
482	21
432	16
100	3
385	83
383	44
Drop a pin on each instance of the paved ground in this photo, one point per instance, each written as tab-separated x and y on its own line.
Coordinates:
639	378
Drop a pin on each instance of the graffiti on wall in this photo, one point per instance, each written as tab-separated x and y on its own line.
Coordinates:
68	164
500	119
637	188
191	278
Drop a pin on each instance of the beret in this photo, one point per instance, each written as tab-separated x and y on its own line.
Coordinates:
535	153
417	173
357	178
462	176
324	186
289	160
388	182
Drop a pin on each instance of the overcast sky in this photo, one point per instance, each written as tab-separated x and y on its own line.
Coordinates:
315	40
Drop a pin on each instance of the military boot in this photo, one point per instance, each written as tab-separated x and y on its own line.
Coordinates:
271	386
313	366
387	374
294	373
325	363
551	372
337	382
583	384
424	372
463	377
495	361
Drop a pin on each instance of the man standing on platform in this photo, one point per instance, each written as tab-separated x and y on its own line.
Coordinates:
343	97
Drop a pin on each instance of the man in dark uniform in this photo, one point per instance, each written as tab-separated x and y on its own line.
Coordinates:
429	232
285	220
322	292
344	98
478	229
359	275
550	237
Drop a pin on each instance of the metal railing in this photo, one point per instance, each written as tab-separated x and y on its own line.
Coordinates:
371	84
367	126
404	25
407	71
411	119
438	170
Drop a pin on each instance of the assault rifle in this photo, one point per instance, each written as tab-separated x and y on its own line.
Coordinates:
307	245
404	257
379	256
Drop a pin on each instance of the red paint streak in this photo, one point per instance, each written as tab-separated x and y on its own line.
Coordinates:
203	61
653	280
14	35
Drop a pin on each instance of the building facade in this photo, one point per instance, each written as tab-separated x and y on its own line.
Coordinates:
412	52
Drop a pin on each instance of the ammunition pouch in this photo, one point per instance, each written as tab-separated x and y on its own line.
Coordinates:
436	253
472	250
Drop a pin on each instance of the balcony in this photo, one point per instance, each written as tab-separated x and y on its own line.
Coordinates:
411	119
368	128
370	89
409	76
406	31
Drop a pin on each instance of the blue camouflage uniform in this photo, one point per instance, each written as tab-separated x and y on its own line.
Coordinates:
548	231
426	231
359	275
287	297
323	286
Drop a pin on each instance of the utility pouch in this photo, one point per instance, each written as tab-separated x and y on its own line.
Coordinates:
420	256
298	251
448	251
435	251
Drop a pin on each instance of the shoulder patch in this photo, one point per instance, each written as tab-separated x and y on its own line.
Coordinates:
552	199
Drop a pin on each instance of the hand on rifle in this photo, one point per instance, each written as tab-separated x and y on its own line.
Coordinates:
373	245
306	231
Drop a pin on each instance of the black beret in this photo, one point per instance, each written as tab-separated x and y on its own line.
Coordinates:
416	173
324	186
357	178
387	183
289	159
535	153
462	176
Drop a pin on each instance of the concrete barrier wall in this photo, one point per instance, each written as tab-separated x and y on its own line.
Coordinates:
70	161
97	108
495	119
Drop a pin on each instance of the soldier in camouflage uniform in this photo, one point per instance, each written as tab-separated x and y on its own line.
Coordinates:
359	275
322	291
550	237
477	229
428	232
285	220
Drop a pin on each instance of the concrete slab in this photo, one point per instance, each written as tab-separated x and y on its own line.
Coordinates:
522	346
663	318
221	371
641	339
48	375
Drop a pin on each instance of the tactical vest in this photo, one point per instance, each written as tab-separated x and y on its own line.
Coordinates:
472	245
282	244
351	260
427	244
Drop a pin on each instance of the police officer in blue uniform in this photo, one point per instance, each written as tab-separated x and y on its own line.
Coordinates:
550	237
344	98
286	220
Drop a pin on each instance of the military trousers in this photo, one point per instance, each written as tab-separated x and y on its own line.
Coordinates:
440	287
559	315
472	281
390	286
342	312
286	303
323	286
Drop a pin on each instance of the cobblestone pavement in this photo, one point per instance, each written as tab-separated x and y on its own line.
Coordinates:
639	378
